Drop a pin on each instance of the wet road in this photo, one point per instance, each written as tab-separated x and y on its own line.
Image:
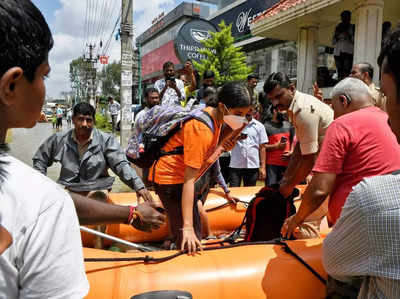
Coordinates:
25	142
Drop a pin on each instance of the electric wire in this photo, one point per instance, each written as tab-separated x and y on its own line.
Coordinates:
116	14
89	21
104	17
107	48
99	16
85	28
97	21
107	14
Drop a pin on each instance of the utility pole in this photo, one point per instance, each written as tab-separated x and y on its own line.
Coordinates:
91	75
139	65
126	71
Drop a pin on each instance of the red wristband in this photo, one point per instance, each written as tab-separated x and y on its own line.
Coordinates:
131	214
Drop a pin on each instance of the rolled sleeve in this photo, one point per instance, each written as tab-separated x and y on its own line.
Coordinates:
309	148
307	126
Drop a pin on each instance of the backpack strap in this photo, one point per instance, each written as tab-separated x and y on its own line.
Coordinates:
205	118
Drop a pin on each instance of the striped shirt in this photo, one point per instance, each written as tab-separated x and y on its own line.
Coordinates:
365	240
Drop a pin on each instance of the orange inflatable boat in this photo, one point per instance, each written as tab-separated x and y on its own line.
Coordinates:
223	216
237	271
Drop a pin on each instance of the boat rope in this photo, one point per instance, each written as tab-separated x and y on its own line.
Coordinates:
227	204
296	256
152	260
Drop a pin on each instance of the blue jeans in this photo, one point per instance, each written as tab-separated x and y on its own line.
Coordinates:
274	174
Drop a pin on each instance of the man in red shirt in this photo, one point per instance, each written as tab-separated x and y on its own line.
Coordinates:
358	143
279	148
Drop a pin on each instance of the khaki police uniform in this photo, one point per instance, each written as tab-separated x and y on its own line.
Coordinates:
311	119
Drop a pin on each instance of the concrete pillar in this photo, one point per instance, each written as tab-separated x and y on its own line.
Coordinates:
307	58
368	35
274	60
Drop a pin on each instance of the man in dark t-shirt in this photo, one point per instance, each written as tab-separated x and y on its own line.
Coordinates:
279	148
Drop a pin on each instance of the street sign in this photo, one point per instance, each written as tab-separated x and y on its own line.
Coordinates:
103	59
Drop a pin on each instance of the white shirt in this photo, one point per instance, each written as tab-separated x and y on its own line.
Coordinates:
114	108
170	96
311	119
344	42
246	153
45	259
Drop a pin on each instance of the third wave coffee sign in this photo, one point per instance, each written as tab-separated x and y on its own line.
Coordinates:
188	41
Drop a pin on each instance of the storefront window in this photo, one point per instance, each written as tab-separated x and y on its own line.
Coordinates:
288	60
260	61
326	70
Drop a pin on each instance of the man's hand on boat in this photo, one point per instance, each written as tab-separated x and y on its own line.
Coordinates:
190	241
289	227
150	218
145	194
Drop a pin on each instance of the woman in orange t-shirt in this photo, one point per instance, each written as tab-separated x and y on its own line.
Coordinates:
175	175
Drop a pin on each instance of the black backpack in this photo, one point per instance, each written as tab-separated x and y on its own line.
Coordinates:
266	213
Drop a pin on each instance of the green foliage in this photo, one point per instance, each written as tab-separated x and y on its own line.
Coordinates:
110	78
102	123
222	57
103	101
78	70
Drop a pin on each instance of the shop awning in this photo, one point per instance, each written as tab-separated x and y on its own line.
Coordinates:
283	20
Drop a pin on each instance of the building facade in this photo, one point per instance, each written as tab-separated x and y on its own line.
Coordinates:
265	55
312	23
157	44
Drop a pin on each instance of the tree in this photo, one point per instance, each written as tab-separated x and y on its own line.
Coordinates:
110	79
222	57
78	75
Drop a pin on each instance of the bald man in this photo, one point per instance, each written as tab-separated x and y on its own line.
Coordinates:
364	244
355	146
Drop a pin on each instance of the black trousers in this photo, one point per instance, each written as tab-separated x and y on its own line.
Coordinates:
344	63
248	175
171	198
202	187
224	163
274	174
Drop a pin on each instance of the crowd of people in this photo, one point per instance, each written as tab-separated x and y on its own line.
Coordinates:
346	150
